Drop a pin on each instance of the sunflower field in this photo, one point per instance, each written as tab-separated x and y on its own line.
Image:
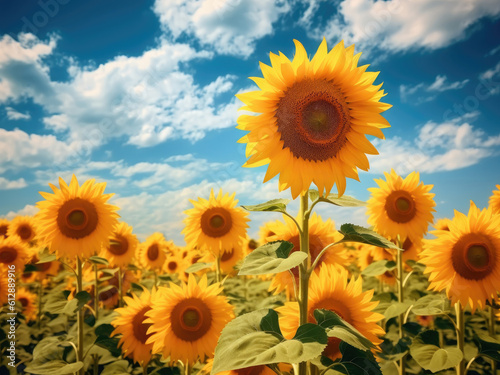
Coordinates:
81	294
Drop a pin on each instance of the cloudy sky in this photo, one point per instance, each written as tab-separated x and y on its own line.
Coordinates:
140	94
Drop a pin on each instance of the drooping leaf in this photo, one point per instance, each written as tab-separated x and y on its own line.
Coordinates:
432	304
268	259
426	351
396	309
343	201
274	205
98	260
193	268
47	258
488	346
355	233
379	267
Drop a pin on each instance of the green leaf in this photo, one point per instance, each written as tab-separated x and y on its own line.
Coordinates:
117	368
343	201
487	346
243	344
426	351
274	205
432	304
391	352
270	323
355	361
104	330
269	259
337	327
82	297
57	367
198	267
396	309
98	260
355	233
110	344
47	258
419	267
379	267
56	302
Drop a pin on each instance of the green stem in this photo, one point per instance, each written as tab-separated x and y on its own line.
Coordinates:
156	280
460	336
145	368
40	294
120	287
79	288
492	331
96	292
96	365
187	368
400	278
218	271
303	270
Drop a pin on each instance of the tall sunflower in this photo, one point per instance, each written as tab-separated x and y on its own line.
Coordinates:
215	224
13	251
314	118
494	201
330	289
23	227
4	227
76	220
465	261
321	234
401	206
187	320
121	247
151	254
130	324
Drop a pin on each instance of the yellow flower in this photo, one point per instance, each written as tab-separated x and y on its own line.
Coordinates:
152	253
13	251
314	118
176	265
465	261
228	260
121	247
267	231
401	207
215	224
494	201
76	220
109	298
23	227
442	224
329	289
187	320
4	227
321	234
369	254
4	285
28	303
130	323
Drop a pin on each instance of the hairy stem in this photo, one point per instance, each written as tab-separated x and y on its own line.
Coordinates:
303	269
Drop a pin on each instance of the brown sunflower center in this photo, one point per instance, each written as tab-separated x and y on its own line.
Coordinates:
3	230
400	206
24	232
118	245
191	319
139	327
77	218
24	301
216	222
153	252
227	255
8	254
172	266
473	256
315	247
252	244
313	119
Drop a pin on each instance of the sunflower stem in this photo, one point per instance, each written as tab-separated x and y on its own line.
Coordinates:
187	368
400	278
156	279
218	272
460	336
120	287
304	270
40	294
145	368
96	293
492	331
79	288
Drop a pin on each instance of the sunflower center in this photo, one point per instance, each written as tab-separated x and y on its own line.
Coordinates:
118	245
153	252
24	301
139	327
400	206
191	319
227	255
3	230
25	232
172	266
8	254
77	218
216	222
313	119
473	256
252	244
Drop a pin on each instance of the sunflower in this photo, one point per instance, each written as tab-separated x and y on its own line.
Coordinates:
4	286
321	234
76	220
466	259
401	207
442	224
314	118
268	230
187	320
43	269
130	324
250	245
23	227
369	254
330	290
494	201
228	260
176	265
13	251
151	254
4	227
28	303
215	224
110	295
122	245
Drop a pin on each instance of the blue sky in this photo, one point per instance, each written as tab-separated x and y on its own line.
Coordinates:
141	95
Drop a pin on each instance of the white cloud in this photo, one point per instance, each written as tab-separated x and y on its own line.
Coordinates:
401	25
28	210
492	78
6	184
440	84
438	147
229	26
12	114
